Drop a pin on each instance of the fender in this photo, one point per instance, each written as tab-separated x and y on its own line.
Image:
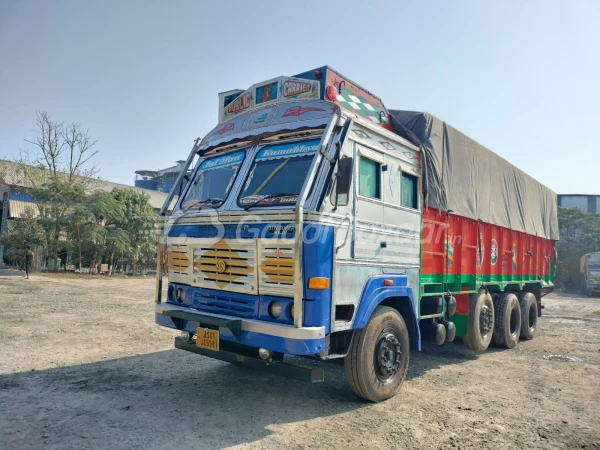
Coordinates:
374	293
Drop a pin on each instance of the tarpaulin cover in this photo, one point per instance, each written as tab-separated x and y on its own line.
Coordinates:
469	180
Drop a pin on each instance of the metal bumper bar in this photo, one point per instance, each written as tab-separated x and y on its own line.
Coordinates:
233	325
239	356
240	325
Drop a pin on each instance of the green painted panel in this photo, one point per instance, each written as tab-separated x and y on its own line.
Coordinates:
456	284
461	323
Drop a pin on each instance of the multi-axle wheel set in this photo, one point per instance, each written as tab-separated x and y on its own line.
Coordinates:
503	318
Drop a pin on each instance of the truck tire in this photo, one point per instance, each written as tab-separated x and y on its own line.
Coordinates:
377	362
529	314
507	328
481	322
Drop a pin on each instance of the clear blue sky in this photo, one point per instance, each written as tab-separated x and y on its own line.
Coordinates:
521	77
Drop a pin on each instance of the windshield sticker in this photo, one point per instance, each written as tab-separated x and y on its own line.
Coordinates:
225	129
297	111
289	150
240	103
293	88
266	93
220	131
294	111
259	118
266	200
222	161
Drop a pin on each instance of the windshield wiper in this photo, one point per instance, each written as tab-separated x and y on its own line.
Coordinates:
264	197
211	202
207	202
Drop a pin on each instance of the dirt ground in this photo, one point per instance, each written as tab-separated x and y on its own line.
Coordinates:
82	365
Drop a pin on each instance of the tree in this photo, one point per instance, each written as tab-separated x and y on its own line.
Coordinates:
138	223
55	199
20	233
60	150
91	224
56	172
579	234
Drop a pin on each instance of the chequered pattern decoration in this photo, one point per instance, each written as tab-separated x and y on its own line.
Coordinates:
360	106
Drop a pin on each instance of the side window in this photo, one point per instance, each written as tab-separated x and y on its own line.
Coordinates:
369	178
409	191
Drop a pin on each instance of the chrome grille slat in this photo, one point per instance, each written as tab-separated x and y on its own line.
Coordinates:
238	271
178	261
252	266
276	266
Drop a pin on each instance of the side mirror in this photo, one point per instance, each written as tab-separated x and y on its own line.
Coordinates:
343	178
184	181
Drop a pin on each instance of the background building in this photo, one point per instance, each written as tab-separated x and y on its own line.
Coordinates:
159	180
14	202
586	203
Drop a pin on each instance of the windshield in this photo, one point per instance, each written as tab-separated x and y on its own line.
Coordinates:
278	173
212	181
594	266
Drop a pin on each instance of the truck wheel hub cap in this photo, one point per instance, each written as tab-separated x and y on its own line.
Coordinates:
485	320
387	356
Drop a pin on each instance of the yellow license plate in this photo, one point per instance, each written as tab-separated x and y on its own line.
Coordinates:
207	339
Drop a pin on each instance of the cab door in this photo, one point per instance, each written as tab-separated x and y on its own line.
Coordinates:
368	204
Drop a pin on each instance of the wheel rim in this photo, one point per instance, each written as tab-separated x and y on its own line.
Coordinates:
388	353
485	320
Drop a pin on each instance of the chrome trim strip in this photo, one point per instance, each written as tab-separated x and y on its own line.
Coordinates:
372	263
161	224
257	326
299	219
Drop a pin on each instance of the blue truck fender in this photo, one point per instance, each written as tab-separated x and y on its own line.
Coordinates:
398	296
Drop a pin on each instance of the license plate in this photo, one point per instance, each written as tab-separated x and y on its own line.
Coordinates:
207	339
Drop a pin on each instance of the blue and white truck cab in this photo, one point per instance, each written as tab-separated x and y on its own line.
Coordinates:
297	232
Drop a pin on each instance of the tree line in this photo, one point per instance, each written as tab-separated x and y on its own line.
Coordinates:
579	234
71	221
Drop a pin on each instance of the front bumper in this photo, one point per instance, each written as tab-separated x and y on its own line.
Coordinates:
254	333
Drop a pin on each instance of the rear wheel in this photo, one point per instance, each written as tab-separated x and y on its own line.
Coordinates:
507	328
377	362
529	314
481	322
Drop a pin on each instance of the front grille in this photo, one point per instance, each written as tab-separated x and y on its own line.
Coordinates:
226	265
276	275
178	259
179	263
238	305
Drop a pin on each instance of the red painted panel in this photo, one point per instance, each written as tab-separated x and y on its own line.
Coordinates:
433	240
338	81
450	243
462	304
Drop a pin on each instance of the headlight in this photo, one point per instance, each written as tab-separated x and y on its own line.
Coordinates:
275	309
292	311
180	295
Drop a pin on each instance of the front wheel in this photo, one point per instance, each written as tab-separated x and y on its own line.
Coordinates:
377	362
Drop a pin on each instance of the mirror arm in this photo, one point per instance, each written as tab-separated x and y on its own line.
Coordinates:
337	194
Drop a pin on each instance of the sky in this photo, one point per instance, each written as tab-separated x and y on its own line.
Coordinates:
142	76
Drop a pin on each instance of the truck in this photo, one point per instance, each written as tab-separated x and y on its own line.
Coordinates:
590	273
314	222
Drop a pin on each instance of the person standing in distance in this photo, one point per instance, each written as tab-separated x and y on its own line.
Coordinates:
29	258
